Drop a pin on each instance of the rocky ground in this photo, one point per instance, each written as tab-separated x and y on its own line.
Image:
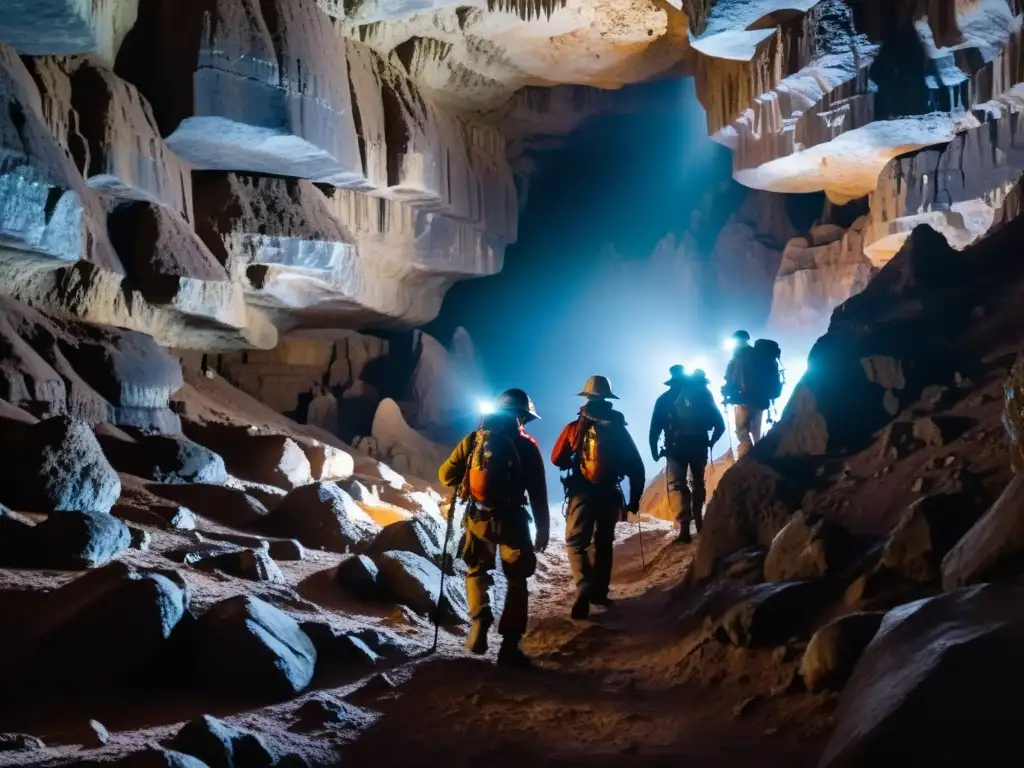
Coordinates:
211	583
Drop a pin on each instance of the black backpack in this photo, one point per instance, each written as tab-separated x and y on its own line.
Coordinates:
689	416
767	378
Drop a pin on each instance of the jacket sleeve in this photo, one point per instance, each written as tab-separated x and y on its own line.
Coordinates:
657	425
730	378
536	484
561	454
454	469
633	468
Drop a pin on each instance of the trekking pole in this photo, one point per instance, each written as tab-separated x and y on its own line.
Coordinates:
449	525
640	530
728	428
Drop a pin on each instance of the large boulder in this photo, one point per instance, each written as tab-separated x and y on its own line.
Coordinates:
268	459
422	534
416	582
322	516
769	614
246	646
940	681
165	459
342	648
834	649
752	503
220	745
227	506
808	547
74	540
59	465
994	547
251	564
358	574
925	532
98	632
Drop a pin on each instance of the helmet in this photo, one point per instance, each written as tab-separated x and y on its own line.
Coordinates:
677	374
741	336
598	387
518	403
699	376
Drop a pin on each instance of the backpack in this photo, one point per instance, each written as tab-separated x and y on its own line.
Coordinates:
689	415
495	472
768	378
592	454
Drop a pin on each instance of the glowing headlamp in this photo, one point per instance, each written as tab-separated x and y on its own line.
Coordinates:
485	407
730	344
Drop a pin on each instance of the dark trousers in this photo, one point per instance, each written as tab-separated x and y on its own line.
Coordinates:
590	536
687	499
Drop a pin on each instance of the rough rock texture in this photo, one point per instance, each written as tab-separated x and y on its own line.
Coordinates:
322	516
934	665
229	506
164	458
59	466
924	534
833	650
806	549
422	535
769	614
73	540
993	548
250	647
251	564
358	574
54	366
872	377
824	97
220	745
116	613
416	582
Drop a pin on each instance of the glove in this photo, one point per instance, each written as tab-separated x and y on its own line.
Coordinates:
541	542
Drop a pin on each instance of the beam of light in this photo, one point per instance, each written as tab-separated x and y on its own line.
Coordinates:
697	363
485	407
729	344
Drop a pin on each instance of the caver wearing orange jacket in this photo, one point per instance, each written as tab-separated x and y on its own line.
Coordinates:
598	453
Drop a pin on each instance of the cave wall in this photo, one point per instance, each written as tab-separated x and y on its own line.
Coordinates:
268	174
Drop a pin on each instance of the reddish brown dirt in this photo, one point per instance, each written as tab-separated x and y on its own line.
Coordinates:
627	685
623	688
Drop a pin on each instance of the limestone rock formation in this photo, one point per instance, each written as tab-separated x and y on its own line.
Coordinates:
824	97
402	447
816	275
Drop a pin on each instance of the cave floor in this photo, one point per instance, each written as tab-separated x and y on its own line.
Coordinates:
625	687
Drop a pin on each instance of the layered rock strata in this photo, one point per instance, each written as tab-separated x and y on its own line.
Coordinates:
270	174
821	95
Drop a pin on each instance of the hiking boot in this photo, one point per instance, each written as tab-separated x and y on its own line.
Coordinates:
604	601
511	655
476	641
581	605
684	536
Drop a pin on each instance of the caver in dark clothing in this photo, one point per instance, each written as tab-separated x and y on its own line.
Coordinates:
684	415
